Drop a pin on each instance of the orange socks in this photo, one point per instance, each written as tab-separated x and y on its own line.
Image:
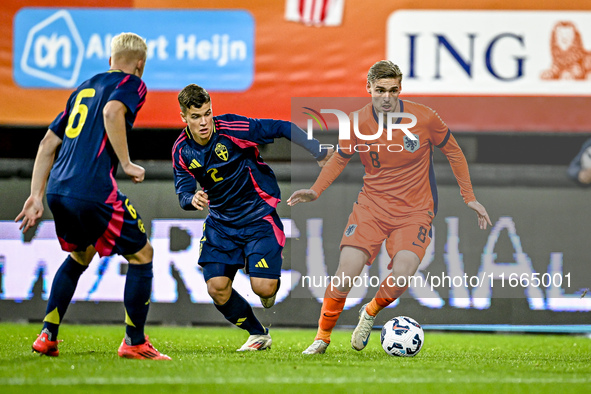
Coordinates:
384	297
334	302
332	306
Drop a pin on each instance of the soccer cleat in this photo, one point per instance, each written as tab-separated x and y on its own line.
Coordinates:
43	345
257	342
317	347
362	332
145	351
268	302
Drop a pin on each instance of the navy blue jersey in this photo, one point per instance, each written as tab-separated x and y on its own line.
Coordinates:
86	164
241	187
575	165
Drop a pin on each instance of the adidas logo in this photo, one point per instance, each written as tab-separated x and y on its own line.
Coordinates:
194	164
262	264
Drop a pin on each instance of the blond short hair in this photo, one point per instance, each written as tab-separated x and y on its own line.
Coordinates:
129	45
384	69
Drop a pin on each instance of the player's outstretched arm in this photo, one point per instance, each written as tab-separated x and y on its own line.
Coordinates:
33	207
114	118
303	195
483	218
331	169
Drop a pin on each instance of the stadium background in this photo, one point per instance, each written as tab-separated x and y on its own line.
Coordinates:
518	144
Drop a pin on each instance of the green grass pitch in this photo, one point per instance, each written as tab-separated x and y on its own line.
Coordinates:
205	360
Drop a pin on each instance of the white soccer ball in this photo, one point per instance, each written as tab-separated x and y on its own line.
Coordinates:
586	159
402	336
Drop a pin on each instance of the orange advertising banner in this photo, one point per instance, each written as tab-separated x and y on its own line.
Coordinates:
484	66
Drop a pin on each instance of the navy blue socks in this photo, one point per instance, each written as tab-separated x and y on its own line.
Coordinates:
239	312
62	291
136	298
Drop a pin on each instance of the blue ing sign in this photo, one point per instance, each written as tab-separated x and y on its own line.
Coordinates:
60	48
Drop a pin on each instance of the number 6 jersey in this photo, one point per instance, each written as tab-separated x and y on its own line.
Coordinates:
86	164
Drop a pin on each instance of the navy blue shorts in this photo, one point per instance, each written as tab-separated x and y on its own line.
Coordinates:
112	227
256	247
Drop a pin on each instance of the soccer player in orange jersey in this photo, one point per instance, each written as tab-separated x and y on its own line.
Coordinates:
397	203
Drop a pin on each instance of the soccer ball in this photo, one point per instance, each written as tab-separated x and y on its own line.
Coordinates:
402	337
586	159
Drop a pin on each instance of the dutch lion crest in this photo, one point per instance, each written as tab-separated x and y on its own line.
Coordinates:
350	230
411	145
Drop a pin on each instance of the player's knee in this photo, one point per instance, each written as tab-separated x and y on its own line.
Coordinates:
219	291
266	292
220	297
353	257
265	289
405	263
403	270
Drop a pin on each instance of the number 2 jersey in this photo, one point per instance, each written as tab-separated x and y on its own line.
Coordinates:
399	177
86	164
240	186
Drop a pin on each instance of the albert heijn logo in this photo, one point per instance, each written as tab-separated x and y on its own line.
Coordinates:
59	48
53	50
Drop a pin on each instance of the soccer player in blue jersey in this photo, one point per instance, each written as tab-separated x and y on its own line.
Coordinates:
577	170
91	215
242	229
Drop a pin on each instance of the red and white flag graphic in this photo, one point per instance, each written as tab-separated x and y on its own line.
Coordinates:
315	12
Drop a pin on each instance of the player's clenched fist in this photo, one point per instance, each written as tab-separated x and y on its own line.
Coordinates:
135	172
200	200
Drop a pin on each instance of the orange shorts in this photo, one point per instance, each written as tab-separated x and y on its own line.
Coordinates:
366	231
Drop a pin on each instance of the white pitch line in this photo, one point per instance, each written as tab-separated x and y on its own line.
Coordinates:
98	381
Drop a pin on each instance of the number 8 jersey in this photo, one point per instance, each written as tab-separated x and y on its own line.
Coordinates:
399	175
86	164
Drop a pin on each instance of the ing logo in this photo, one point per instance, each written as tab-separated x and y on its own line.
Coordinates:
53	50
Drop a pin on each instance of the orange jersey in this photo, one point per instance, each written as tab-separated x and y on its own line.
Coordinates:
399	177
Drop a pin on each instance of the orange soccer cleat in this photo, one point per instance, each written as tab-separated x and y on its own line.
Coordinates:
43	345
145	351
